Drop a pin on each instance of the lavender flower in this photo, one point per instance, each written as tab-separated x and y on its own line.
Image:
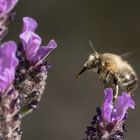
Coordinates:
33	67
8	64
115	112
23	72
31	42
109	122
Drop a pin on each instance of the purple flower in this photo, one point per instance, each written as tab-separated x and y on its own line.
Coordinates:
7	5
113	112
8	63
31	42
29	24
109	122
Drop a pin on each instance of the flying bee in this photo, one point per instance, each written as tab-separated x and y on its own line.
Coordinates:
112	70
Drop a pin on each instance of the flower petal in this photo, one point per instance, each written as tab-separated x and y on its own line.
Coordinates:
3	6
8	63
107	105
29	24
11	4
44	51
7	5
7	53
31	43
121	105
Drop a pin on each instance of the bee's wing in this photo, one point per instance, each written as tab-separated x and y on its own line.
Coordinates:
126	55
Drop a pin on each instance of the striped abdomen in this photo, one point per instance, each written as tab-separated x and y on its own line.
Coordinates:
128	81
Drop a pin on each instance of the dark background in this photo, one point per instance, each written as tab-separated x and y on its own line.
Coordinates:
68	104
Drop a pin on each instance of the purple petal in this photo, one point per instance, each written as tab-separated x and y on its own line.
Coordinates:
11	4
8	63
29	24
3	6
122	103
9	48
31	43
7	5
44	51
107	105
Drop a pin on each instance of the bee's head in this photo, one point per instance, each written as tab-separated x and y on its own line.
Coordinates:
91	63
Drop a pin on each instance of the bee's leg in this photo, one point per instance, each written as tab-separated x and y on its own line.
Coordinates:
103	78
105	81
116	82
116	91
100	75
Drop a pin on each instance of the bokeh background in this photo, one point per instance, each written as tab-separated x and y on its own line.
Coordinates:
68	104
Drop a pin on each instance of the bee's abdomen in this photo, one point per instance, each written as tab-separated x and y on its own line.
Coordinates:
128	81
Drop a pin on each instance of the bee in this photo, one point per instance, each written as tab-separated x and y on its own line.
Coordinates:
112	70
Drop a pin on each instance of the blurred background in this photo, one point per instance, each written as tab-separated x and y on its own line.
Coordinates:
68	105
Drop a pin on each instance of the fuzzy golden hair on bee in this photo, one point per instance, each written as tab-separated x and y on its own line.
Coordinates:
114	62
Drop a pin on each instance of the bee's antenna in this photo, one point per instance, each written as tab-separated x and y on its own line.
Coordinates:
91	45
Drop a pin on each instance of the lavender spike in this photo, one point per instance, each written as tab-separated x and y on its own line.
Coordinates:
109	123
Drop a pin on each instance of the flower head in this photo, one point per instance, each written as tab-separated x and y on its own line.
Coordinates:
31	42
109	123
115	111
21	89
8	63
7	5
